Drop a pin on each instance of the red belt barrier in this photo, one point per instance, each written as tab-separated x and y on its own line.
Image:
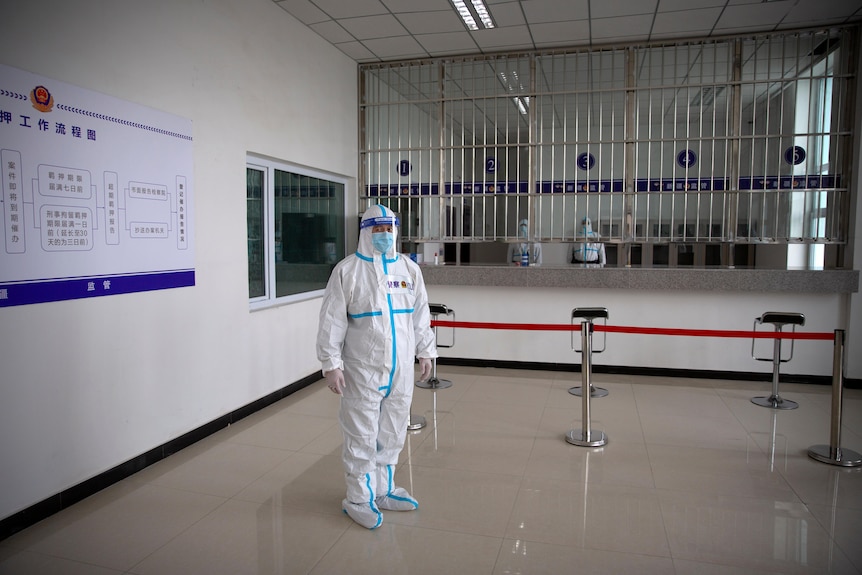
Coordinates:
640	330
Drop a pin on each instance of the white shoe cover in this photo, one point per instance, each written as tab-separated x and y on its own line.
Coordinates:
397	500
365	514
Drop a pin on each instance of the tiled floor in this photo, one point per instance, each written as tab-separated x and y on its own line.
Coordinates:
695	479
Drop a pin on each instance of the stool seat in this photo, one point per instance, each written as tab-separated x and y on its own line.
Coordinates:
438	309
782	318
590	313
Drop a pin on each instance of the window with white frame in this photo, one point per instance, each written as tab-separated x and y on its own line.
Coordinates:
295	230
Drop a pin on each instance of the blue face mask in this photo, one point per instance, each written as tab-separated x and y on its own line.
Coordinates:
382	241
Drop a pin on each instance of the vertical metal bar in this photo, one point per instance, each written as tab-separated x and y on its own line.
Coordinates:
531	112
600	139
629	171
441	136
733	175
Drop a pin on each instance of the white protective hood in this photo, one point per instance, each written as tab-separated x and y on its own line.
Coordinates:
376	215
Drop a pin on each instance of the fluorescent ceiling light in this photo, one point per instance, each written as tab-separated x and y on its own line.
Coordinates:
473	12
484	14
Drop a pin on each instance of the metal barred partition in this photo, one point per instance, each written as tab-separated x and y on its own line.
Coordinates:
717	143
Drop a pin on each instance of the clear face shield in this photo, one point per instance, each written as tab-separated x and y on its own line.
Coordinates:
383	230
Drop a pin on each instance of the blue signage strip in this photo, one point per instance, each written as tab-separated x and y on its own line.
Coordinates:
816	182
43	291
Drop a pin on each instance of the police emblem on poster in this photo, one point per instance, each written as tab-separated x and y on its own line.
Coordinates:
42	99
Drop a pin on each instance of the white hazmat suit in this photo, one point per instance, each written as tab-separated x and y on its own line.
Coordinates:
532	249
374	320
590	250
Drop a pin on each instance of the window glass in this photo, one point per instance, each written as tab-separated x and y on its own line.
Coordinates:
256	240
298	220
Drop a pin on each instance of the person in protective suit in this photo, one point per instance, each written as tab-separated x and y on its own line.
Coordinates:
373	320
525	246
589	250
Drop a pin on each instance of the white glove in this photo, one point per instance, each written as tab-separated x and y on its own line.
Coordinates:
335	380
424	368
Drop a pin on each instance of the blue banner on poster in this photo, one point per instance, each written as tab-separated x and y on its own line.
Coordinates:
25	293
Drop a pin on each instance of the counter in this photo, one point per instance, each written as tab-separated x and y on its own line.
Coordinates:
688	279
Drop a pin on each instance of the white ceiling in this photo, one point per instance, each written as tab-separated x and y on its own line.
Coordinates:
382	30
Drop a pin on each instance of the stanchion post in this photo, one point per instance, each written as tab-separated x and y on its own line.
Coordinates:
833	454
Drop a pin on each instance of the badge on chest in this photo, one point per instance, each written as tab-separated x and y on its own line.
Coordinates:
398	284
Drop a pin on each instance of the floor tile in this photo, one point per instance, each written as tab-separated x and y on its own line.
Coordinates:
248	538
694	480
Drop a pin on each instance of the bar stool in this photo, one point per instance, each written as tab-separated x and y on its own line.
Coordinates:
433	382
778	319
586	437
594	391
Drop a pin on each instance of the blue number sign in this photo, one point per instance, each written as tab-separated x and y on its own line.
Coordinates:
686	159
794	155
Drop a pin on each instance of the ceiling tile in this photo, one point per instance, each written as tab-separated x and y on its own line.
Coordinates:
332	31
449	43
499	39
613	8
432	22
303	10
351	9
509	14
685	21
400	6
637	27
809	10
560	33
688	34
396	47
357	51
538	11
674	5
766	16
373	26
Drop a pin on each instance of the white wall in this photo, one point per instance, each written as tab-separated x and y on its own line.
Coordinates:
92	383
638	308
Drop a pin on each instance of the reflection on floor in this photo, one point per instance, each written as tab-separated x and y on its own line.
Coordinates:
694	479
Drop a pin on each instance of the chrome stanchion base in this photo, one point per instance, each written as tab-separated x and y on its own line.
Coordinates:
774	402
597	438
415	422
839	456
594	391
434	383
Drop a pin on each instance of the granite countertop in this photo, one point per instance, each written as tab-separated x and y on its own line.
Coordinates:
689	279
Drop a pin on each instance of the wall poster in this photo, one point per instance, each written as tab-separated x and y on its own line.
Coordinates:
95	194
